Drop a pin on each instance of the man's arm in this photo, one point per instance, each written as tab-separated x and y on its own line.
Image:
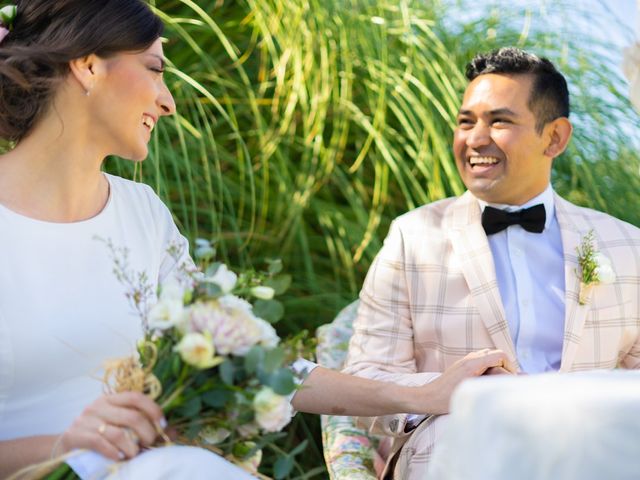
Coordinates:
382	342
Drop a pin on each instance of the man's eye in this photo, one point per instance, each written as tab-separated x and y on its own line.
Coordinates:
464	122
157	69
501	121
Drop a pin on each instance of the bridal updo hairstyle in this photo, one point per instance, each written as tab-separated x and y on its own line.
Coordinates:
47	35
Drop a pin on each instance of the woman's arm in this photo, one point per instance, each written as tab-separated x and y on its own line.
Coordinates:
22	452
329	392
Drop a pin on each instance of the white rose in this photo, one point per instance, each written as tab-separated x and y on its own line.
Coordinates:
165	314
268	337
197	349
213	436
604	269
273	411
224	278
172	289
264	293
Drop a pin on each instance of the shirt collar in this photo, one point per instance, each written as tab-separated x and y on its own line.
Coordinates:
546	198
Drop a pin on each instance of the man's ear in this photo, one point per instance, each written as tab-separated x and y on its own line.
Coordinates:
559	133
86	70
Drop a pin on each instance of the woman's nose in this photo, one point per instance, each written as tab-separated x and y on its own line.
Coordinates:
166	101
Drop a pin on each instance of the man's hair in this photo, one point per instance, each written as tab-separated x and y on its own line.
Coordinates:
549	98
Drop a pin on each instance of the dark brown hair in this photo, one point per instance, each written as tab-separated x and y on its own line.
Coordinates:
549	98
47	35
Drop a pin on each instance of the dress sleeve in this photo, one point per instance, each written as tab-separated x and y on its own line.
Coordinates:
174	247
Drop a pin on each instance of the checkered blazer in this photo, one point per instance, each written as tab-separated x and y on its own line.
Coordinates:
431	296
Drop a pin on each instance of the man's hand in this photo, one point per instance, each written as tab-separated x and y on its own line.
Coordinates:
437	394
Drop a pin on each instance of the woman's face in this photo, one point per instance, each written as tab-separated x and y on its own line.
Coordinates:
128	101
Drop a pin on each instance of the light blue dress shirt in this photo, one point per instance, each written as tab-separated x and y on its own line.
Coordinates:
530	274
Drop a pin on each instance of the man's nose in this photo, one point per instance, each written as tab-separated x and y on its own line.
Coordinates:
479	135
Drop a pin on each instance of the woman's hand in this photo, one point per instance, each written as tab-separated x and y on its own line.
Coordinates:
437	394
117	426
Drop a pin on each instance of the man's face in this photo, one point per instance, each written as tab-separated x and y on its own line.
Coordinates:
500	156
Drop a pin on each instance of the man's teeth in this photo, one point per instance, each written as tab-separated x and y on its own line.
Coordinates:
483	160
149	122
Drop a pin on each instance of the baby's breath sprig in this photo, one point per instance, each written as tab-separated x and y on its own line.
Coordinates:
595	268
586	260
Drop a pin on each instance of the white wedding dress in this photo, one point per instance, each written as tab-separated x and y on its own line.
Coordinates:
63	313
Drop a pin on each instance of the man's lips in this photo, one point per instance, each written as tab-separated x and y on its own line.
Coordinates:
483	160
482	163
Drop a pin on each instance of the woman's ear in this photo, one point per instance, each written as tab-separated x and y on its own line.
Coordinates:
559	134
86	70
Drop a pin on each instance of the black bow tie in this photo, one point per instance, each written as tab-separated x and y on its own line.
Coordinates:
531	219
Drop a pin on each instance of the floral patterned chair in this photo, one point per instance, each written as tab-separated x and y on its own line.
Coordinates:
349	451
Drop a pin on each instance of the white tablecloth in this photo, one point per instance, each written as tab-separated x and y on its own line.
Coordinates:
582	426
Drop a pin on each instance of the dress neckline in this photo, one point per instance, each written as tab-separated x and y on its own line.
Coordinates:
88	221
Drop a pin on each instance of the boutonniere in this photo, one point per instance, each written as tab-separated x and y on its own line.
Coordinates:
595	268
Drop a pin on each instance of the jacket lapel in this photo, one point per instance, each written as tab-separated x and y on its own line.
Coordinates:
463	225
572	230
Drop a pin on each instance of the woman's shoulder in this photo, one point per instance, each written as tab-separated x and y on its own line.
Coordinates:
138	199
123	187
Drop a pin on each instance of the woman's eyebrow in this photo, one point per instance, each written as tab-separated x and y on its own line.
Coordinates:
162	62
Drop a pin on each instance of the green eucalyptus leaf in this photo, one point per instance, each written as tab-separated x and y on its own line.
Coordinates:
176	364
212	269
275	266
217	398
227	371
273	359
299	448
253	359
193	430
282	382
282	467
269	310
191	408
212	289
279	283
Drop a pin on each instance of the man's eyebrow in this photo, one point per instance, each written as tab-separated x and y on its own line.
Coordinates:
502	111
493	113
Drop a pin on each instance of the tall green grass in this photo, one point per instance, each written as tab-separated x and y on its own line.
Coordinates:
305	126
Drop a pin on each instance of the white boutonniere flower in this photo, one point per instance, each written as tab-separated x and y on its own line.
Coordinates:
595	268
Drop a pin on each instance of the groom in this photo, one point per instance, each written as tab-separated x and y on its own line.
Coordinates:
498	266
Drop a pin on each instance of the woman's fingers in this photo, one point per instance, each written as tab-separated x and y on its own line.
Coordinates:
116	426
126	442
138	401
141	428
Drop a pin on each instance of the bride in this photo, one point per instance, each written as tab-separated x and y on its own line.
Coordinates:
81	80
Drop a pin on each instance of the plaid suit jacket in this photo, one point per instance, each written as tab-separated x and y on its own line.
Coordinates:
431	296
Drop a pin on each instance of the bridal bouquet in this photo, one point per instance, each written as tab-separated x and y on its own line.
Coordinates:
211	357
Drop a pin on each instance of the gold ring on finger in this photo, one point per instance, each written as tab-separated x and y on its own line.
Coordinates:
131	435
102	428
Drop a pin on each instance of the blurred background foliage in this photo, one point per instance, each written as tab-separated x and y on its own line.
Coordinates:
305	126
